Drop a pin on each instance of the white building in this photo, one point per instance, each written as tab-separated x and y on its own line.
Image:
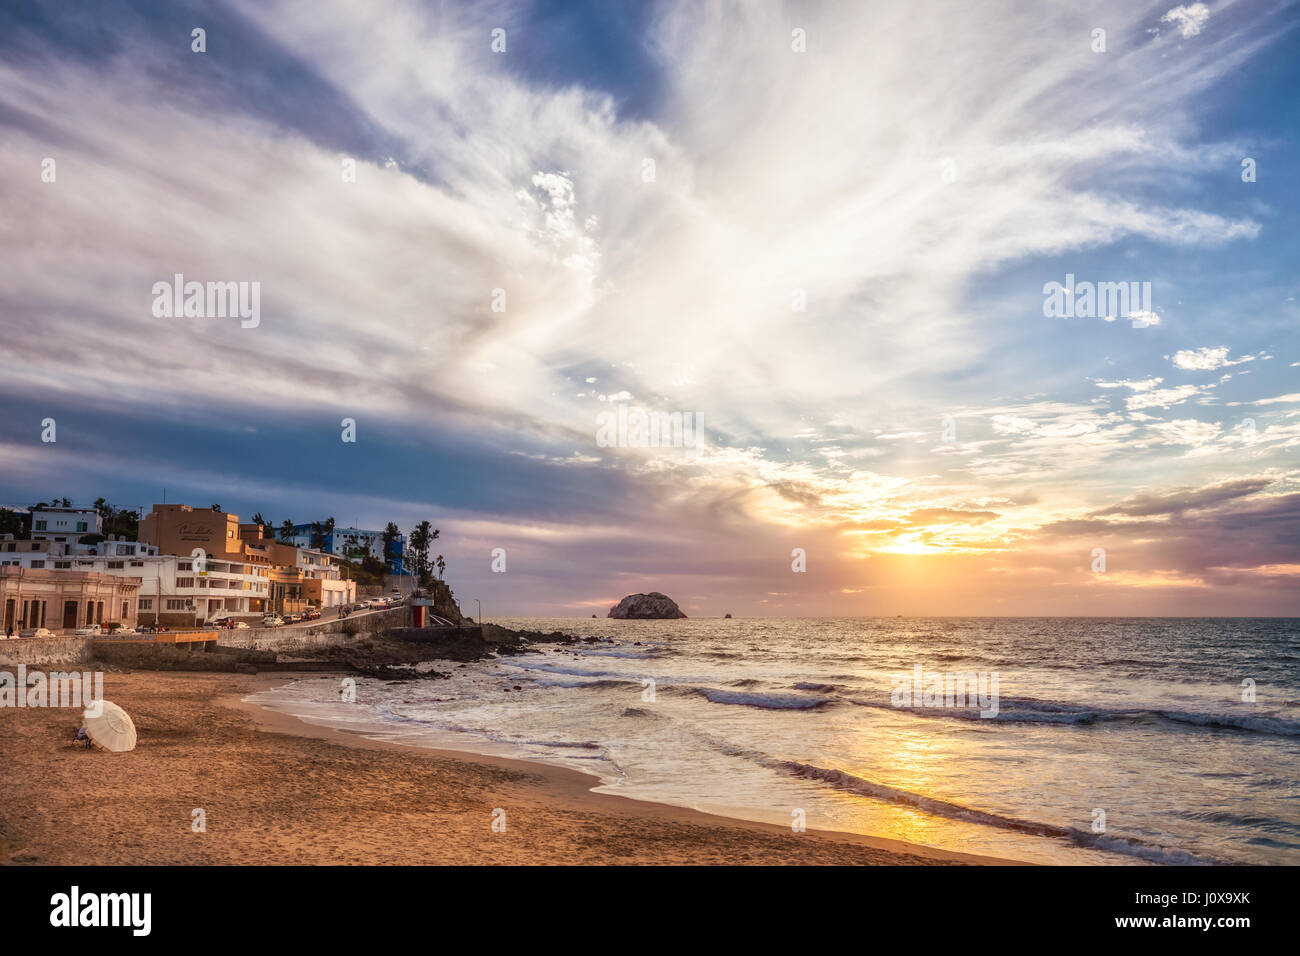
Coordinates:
172	587
65	524
172	591
41	552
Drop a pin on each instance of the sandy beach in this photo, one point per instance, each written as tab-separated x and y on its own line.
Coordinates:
276	790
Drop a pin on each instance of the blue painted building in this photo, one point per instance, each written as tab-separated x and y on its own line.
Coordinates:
352	543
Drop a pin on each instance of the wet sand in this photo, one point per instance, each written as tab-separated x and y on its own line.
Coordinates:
276	790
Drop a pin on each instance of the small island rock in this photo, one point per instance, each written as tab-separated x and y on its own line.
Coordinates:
652	606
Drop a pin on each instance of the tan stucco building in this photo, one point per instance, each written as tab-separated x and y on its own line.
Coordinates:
66	600
179	529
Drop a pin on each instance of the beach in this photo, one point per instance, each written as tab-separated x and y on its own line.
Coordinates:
275	790
1081	741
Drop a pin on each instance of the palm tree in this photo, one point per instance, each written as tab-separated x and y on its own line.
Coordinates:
286	529
391	534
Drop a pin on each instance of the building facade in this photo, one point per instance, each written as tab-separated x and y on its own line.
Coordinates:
66	600
173	590
180	529
189	568
351	543
300	577
64	525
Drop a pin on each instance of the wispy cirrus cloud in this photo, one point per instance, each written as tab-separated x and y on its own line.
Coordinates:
882	194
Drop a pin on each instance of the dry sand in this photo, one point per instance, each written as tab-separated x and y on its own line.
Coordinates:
277	790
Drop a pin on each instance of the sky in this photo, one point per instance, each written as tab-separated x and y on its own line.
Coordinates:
828	231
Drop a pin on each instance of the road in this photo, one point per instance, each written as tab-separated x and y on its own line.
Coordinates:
332	613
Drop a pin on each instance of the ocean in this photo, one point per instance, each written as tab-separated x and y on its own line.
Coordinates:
1095	741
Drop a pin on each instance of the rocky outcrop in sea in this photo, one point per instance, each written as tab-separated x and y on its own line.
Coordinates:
652	606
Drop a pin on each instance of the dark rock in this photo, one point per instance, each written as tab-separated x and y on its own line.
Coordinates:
653	607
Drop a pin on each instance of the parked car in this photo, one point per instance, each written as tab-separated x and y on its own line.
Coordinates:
89	629
359	607
37	632
311	615
272	620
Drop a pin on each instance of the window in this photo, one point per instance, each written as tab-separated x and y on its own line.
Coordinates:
63	564
40	526
185	582
137	564
38	564
116	564
174	604
146	604
125	610
81	526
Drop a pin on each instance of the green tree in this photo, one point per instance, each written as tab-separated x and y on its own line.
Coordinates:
286	529
421	537
11	522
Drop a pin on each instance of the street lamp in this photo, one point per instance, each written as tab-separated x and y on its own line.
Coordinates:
480	612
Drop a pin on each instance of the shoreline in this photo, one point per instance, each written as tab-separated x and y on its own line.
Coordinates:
577	785
277	790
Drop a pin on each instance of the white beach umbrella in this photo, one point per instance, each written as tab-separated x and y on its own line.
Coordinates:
109	727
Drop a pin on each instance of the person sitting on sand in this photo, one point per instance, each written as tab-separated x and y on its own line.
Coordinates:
82	737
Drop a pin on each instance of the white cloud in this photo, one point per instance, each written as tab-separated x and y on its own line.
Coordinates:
1188	18
1186	431
1162	397
770	177
1206	358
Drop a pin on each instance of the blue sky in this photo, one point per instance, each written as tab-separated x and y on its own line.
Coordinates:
917	173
